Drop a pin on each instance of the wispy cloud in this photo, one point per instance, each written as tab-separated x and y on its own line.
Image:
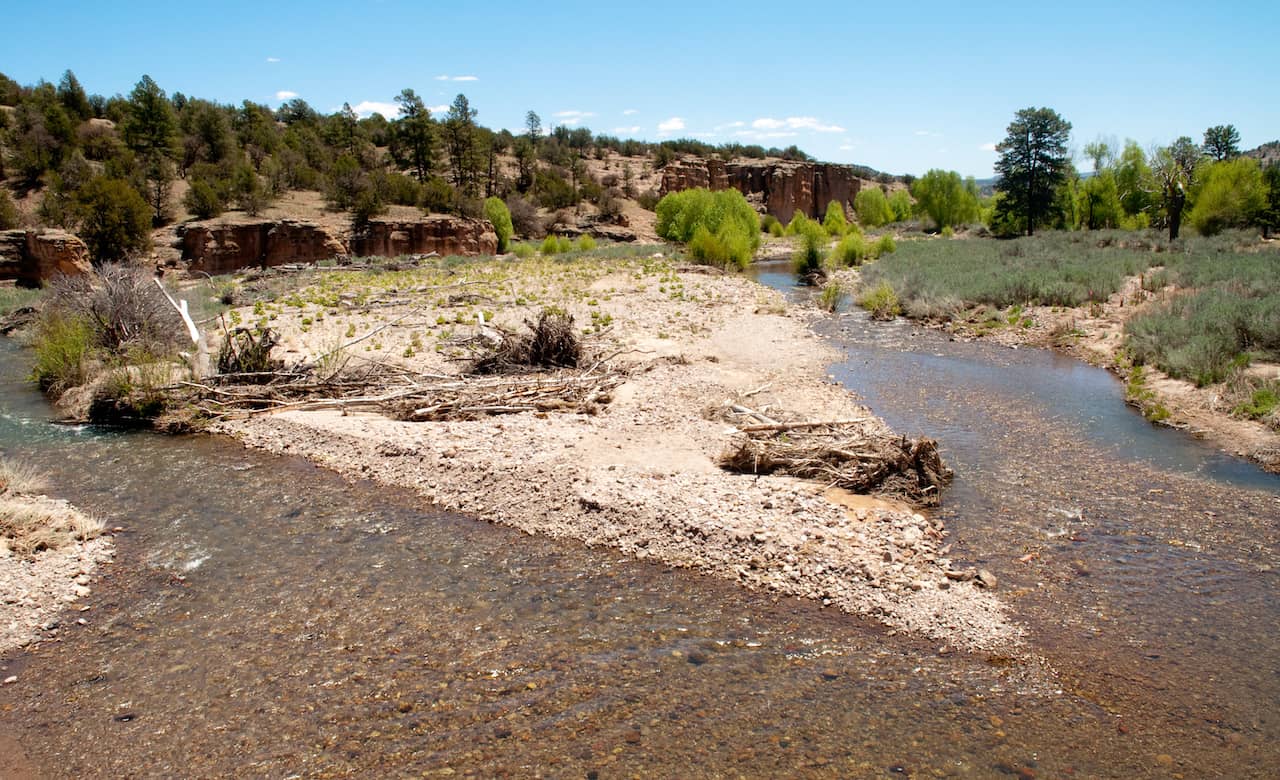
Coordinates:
670	126
627	130
273	59
446	77
443	108
369	107
764	135
572	117
989	146
285	94
928	134
630	112
796	123
848	147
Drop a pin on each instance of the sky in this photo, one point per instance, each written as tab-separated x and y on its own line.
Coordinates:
901	87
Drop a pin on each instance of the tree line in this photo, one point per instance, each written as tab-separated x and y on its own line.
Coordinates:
1211	184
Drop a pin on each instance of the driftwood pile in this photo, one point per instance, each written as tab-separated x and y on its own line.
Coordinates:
533	372
857	455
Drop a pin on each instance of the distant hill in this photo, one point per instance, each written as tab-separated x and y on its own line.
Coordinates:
1267	154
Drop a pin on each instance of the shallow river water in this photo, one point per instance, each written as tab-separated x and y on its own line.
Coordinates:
267	618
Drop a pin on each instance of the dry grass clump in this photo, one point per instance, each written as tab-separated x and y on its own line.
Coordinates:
30	524
551	342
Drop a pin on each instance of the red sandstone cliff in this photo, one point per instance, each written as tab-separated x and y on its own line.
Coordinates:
31	256
777	187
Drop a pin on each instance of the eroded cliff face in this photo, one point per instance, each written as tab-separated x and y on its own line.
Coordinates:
777	187
32	257
443	235
219	248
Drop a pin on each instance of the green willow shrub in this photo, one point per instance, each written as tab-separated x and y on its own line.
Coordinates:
835	222
901	205
881	301
62	345
724	216
852	250
500	217
585	243
808	258
872	207
1231	193
885	245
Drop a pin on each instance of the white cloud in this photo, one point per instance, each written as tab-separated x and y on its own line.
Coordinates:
928	134
446	77
573	116
627	130
989	146
764	135
848	147
443	108
369	107
630	112
796	123
285	94
670	126
273	59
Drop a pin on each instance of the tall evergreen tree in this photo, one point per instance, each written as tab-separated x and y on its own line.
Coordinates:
460	124
1222	142
413	132
1033	164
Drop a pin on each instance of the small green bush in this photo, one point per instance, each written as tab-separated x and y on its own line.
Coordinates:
872	207
885	245
835	222
771	225
881	301
203	200
797	223
62	345
830	297
724	249
1262	403
523	250
808	258
901	205
500	217
554	245
9	212
852	250
585	243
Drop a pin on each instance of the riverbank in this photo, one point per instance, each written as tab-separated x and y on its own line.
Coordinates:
1117	280
639	474
49	552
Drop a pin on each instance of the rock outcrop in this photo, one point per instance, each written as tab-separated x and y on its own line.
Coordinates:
777	187
440	234
219	248
31	256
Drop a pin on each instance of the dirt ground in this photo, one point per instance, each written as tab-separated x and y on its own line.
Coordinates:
641	474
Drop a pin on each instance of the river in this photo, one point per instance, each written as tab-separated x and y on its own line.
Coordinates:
268	618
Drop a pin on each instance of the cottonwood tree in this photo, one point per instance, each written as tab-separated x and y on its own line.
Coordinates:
413	132
1173	172
1222	142
1032	165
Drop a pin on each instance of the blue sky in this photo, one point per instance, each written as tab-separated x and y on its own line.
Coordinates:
903	87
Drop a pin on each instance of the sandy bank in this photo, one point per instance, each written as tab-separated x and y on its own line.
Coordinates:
641	475
46	565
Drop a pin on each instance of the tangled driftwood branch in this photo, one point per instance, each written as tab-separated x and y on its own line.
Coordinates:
851	454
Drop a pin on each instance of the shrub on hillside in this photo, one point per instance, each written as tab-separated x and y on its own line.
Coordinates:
8	211
852	250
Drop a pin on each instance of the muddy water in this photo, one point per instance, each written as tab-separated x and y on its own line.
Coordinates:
270	619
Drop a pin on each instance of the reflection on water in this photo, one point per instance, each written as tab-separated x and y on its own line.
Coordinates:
268	618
